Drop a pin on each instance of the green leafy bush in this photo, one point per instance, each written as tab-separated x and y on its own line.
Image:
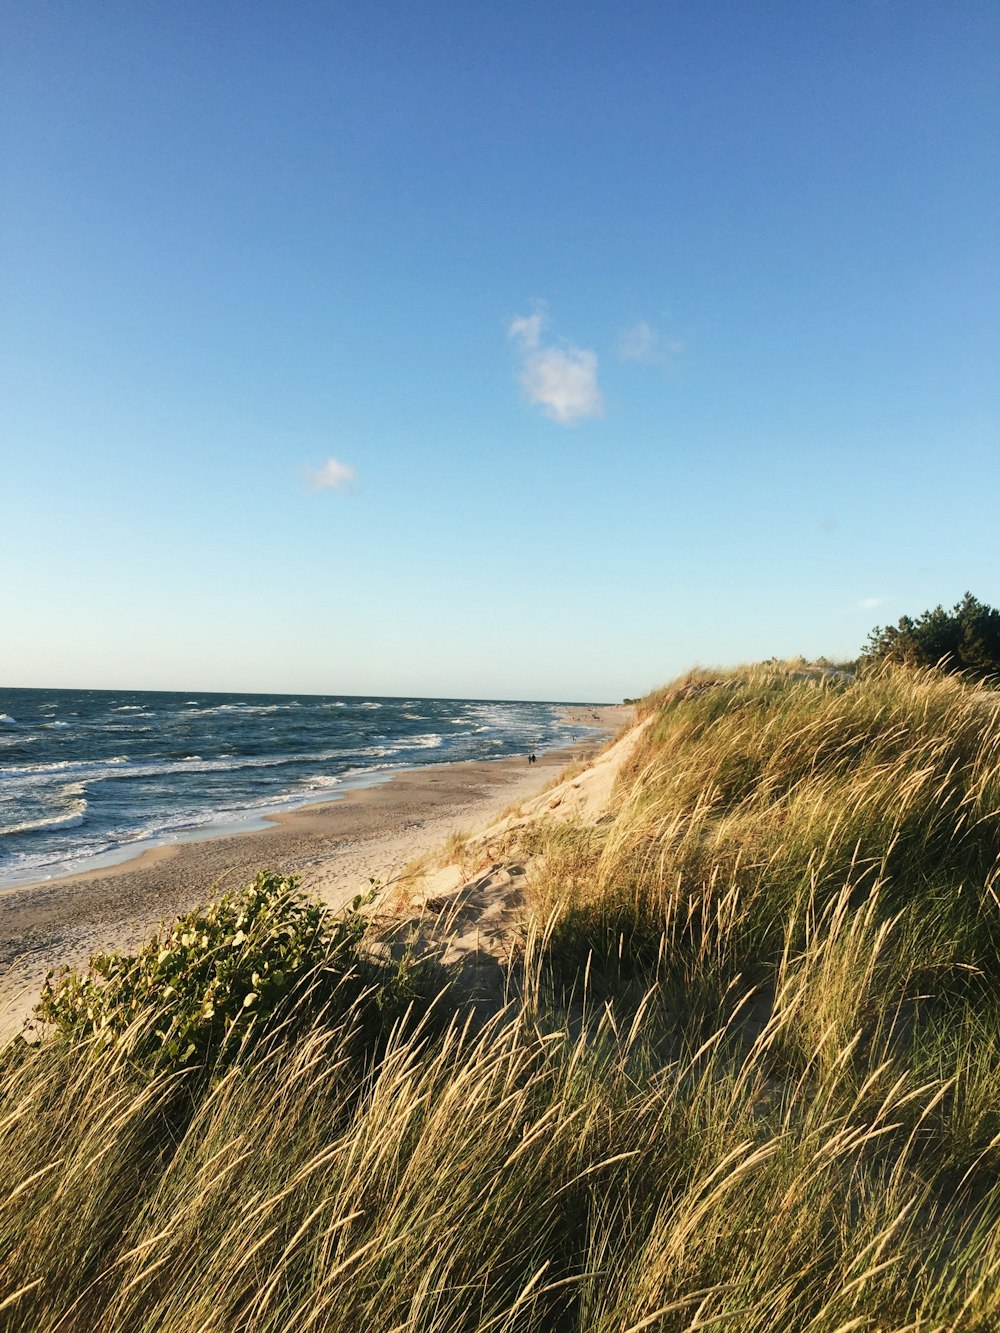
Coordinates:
196	991
967	638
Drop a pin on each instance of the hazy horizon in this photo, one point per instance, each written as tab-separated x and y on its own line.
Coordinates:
292	694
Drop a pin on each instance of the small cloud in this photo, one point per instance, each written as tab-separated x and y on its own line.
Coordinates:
639	343
563	383
643	344
333	475
527	330
561	380
869	603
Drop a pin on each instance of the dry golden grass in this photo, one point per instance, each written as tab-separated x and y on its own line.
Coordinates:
748	1079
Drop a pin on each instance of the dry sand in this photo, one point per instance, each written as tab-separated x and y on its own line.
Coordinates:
335	847
471	908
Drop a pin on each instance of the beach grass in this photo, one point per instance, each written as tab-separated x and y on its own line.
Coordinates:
747	1079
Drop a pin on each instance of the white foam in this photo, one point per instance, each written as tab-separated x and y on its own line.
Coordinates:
14	742
87	769
70	817
240	710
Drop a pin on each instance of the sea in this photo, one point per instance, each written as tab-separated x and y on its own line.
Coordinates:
89	777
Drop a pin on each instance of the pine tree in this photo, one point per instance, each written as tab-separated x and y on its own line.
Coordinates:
967	639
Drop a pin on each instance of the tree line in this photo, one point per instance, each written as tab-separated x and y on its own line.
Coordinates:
966	639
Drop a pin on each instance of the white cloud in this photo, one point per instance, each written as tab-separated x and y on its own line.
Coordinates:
563	383
869	603
642	343
561	380
639	343
527	329
333	475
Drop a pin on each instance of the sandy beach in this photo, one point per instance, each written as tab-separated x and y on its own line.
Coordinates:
336	848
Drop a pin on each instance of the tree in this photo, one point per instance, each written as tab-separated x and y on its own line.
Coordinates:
967	639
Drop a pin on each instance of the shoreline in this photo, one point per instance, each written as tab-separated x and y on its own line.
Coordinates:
597	719
335	846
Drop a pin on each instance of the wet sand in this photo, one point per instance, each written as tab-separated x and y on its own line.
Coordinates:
335	847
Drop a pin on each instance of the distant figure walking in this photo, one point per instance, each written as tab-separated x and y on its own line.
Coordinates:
532	759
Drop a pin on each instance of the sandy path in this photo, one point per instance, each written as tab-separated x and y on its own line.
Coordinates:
335	847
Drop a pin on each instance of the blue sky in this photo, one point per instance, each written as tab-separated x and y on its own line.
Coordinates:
490	350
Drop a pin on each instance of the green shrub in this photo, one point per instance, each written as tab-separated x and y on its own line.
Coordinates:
197	990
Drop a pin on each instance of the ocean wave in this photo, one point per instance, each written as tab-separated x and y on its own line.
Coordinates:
122	768
373	776
374	751
81	767
370	704
240	710
248	708
430	741
193	764
128	708
7	721
191	818
70	817
14	742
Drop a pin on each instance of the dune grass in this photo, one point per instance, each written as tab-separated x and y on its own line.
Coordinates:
750	1080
